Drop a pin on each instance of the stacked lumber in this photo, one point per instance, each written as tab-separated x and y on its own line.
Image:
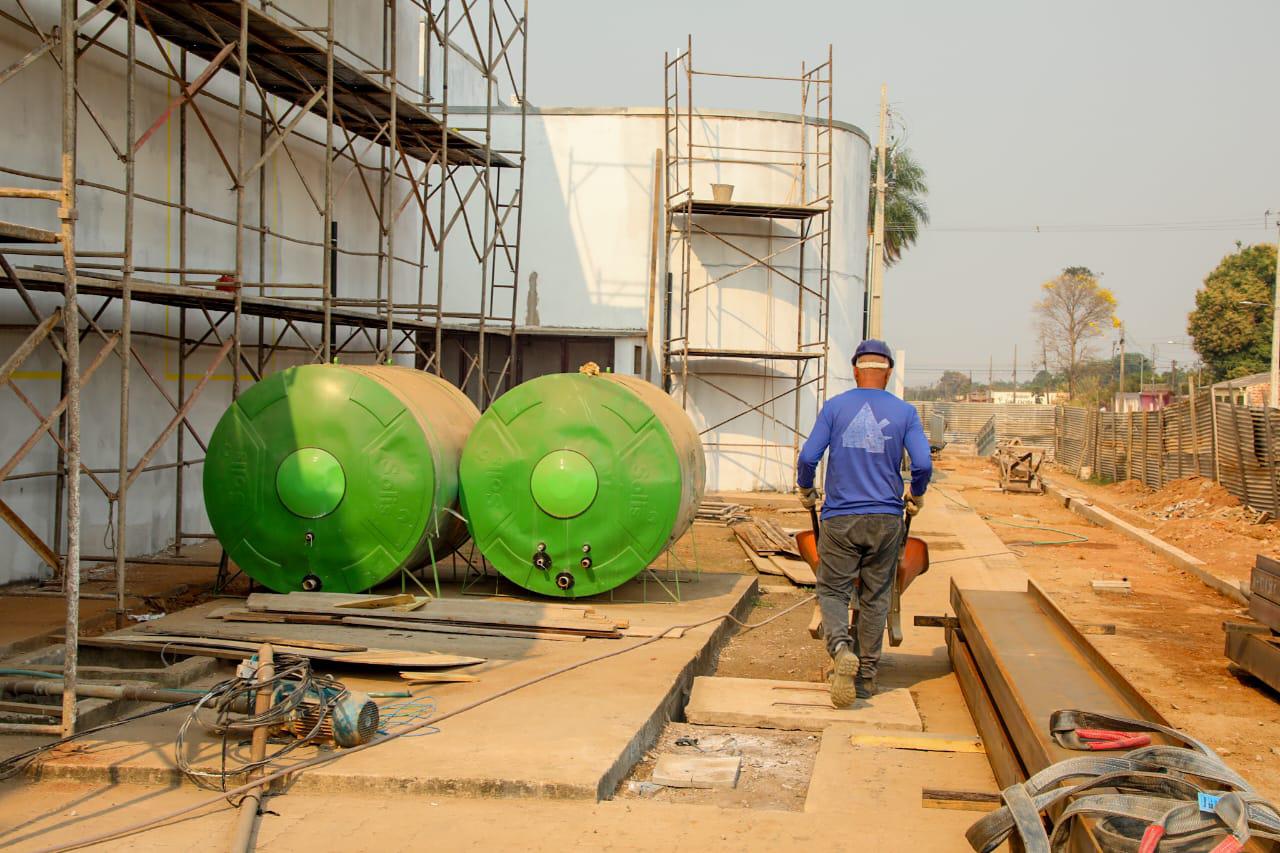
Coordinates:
241	646
482	617
773	551
720	512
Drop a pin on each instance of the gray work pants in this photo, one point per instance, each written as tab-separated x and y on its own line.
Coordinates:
853	547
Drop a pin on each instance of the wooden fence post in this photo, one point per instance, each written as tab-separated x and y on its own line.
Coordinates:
1195	433
1237	439
1274	507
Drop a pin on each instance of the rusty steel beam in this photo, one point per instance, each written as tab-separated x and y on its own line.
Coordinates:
1001	755
1035	662
179	417
28	346
188	93
17	457
26	534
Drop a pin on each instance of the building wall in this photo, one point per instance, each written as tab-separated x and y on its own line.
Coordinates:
589	220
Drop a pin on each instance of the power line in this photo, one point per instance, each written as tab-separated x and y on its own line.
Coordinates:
1228	224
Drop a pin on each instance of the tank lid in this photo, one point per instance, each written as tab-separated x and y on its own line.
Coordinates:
564	483
310	482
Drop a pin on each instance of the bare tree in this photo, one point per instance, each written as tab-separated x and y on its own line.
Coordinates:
1073	310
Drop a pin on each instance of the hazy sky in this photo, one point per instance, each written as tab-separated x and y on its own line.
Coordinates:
1150	130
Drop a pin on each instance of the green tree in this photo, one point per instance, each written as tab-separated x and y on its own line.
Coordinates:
1072	312
905	210
1233	337
952	384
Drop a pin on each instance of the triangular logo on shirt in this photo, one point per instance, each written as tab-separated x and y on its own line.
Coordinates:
865	431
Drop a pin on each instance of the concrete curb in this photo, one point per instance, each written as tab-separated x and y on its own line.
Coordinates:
1082	506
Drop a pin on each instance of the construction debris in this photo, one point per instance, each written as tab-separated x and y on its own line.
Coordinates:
1020	467
721	512
764	537
1121	586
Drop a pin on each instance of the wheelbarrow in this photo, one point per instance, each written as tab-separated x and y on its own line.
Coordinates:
913	561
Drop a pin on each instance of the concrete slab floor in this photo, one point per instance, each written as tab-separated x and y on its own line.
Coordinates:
36	817
573	736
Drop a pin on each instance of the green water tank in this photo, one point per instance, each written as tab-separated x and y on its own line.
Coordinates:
332	477
572	484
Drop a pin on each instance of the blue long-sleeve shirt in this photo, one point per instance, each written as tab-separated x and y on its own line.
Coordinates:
866	430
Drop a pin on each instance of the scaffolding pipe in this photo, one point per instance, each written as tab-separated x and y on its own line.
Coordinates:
126	314
67	221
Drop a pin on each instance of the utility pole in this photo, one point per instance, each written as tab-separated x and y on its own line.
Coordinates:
1173	378
1015	373
1275	330
876	285
991	360
1121	399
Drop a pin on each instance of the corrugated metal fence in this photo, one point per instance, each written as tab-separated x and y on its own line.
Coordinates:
964	421
1236	445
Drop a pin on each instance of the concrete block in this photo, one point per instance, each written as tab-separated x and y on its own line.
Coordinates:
793	705
697	771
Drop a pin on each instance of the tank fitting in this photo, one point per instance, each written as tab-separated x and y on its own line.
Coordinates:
311	583
564	581
541	559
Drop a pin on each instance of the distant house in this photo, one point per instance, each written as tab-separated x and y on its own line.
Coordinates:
1151	398
1253	390
1028	397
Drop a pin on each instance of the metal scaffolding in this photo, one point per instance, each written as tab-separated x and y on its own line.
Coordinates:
400	145
691	220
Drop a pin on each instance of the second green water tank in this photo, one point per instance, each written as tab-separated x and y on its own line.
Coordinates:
573	483
333	477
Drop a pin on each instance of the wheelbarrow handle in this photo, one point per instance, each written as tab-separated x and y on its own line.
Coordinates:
813	519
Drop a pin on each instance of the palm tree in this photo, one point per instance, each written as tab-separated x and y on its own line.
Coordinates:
905	211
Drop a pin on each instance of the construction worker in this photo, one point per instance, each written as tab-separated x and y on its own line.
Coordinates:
866	430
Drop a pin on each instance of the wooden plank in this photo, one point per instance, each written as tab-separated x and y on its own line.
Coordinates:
382	601
796	571
279	618
232	649
216	638
477	613
919	741
697	771
441	628
793	705
785	544
438	677
763	566
969	801
751	537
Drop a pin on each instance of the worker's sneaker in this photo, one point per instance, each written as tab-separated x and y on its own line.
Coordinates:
843	692
865	686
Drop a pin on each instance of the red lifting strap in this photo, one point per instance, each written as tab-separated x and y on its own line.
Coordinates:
1151	838
1100	739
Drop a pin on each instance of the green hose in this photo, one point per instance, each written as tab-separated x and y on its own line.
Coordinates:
1075	537
32	673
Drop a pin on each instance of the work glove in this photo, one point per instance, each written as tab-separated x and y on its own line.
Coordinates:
914	504
809	496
